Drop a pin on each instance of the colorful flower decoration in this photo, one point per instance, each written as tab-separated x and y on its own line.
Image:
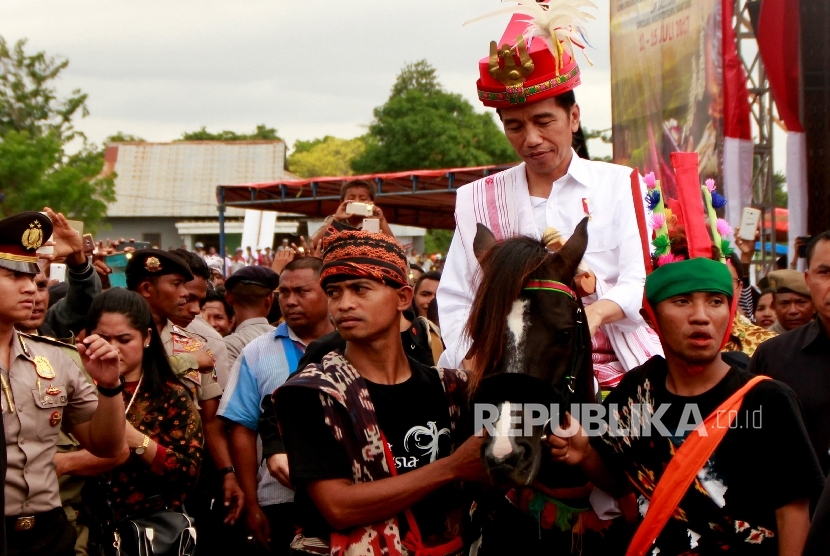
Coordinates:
650	180
724	229
711	201
725	248
661	245
657	220
653	198
668	258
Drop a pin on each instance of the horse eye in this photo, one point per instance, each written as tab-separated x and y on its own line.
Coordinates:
563	336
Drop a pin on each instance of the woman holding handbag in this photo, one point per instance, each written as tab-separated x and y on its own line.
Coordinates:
164	431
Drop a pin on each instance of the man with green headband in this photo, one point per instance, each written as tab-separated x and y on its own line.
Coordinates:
741	486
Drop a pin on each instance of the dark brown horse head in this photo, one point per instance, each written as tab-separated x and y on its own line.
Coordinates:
530	346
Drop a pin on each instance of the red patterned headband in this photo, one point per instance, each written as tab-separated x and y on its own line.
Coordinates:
362	254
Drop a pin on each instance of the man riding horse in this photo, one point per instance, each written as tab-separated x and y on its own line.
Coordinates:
529	78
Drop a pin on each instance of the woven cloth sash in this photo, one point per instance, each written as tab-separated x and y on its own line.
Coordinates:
684	467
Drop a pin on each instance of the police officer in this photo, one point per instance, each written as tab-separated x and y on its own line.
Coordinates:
160	278
71	463
43	390
70	485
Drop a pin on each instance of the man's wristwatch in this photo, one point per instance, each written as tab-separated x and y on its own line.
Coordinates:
112	392
144	443
226	471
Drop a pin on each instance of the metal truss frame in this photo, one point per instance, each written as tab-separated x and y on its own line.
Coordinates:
761	106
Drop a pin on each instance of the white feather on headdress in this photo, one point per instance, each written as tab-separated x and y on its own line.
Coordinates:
558	22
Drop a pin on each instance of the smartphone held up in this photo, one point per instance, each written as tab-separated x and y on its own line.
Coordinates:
355	208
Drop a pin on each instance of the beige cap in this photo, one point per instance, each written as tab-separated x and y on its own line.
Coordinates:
788	281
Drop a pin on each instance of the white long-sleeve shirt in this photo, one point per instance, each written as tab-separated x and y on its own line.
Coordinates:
614	251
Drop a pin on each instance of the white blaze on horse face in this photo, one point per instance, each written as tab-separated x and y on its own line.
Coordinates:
517	325
503	446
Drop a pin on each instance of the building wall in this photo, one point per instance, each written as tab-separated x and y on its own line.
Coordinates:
137	228
179	179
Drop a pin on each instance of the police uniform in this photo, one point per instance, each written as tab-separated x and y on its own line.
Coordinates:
71	486
249	330
217	347
43	390
179	344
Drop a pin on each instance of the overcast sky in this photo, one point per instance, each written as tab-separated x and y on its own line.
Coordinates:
309	68
156	68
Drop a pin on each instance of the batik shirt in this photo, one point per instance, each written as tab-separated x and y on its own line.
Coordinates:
171	420
746	336
763	463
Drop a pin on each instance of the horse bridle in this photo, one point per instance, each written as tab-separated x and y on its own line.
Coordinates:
577	354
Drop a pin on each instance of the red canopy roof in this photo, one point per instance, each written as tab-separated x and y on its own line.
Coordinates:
424	198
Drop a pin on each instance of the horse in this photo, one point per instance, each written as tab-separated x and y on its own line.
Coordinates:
530	345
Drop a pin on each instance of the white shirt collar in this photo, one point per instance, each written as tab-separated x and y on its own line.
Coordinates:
578	170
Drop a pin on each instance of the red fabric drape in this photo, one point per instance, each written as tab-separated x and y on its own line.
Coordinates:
736	121
778	40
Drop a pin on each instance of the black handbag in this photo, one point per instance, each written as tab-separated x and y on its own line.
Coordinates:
163	533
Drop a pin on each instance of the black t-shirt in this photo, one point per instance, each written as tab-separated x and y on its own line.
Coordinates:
414	418
416	346
764	462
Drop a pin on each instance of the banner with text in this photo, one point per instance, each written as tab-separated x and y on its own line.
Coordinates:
666	84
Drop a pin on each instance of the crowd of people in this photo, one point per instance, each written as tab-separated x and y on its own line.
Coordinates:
199	363
321	398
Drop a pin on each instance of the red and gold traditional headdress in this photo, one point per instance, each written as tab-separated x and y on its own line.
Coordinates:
534	60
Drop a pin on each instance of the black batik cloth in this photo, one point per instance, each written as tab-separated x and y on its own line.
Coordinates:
414	418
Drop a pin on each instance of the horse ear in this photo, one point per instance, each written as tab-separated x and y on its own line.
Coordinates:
483	241
573	250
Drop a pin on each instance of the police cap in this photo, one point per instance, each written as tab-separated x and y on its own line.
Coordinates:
256	275
21	235
152	263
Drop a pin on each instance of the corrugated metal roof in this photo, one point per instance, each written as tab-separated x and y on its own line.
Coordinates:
179	179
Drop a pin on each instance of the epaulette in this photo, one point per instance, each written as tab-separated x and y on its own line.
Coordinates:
68	343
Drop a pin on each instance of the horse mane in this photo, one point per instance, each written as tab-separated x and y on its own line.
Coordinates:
505	268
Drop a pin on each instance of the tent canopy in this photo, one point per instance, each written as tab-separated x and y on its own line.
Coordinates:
424	198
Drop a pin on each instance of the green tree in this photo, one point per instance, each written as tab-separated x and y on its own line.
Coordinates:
35	128
419	76
262	132
328	156
121	137
603	135
422	126
779	181
437	241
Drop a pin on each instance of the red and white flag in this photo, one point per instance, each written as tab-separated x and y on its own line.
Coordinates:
737	132
778	41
